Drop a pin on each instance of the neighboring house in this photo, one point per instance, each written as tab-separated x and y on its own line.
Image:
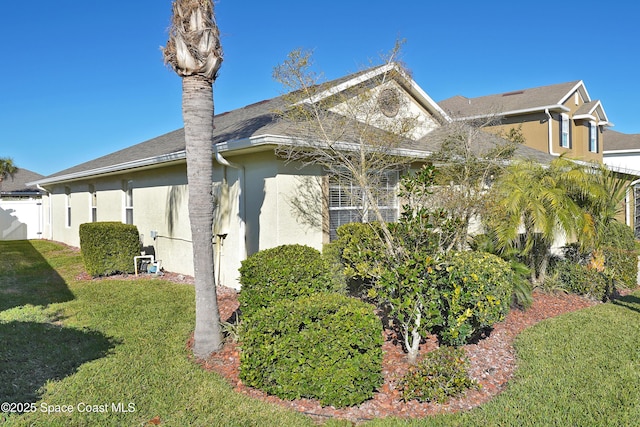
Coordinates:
558	119
21	214
622	153
258	193
555	119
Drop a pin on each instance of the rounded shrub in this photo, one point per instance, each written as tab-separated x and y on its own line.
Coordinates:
443	373
326	347
283	272
475	293
581	280
109	247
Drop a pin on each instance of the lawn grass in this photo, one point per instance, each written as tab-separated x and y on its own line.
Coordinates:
578	369
104	342
66	341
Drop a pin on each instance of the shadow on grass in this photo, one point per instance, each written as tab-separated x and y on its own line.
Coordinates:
27	278
34	353
631	302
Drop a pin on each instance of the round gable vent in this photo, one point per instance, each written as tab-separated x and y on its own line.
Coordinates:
389	102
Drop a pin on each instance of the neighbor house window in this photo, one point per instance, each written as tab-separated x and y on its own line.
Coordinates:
348	203
564	139
128	202
593	137
67	206
93	195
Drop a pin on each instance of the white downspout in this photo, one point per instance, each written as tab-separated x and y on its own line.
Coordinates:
241	201
550	137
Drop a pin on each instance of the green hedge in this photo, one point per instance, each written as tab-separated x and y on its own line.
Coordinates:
284	272
621	256
577	278
326	347
109	247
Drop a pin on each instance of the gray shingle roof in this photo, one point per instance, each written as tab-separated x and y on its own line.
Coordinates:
253	120
614	141
18	183
483	142
524	99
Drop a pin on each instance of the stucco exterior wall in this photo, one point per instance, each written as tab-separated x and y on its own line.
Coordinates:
279	199
159	204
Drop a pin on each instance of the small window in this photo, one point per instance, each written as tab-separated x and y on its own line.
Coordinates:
93	195
593	137
67	206
564	140
128	202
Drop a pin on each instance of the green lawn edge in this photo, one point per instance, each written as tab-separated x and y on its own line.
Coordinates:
101	343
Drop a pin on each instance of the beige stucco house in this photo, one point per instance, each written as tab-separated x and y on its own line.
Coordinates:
258	193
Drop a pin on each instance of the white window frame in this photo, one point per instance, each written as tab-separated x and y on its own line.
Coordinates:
593	137
127	188
67	207
93	203
565	132
347	202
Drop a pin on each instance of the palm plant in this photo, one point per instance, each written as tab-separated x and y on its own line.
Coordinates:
7	168
533	208
601	193
194	52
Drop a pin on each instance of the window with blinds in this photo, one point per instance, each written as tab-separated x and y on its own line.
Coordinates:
348	203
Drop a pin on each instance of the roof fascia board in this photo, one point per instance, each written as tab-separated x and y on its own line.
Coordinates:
422	94
348	84
627	151
271	139
583	89
107	170
516	112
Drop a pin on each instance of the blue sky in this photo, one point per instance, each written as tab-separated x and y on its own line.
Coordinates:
80	79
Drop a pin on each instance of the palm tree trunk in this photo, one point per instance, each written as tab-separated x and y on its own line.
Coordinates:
197	111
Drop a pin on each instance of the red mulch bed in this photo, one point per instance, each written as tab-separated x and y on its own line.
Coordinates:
492	364
492	360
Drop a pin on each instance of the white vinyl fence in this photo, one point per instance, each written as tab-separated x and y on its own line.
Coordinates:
21	219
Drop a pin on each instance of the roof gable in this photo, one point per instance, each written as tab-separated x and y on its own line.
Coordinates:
514	102
592	110
254	123
390	71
